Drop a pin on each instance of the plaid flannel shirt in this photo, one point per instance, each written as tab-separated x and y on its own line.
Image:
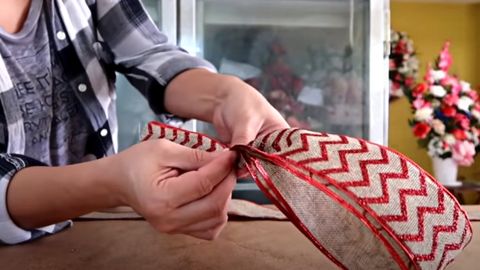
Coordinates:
93	39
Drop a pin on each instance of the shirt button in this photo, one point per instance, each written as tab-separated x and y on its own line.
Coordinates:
82	87
103	132
61	35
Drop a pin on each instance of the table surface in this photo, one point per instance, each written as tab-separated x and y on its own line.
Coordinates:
133	244
465	185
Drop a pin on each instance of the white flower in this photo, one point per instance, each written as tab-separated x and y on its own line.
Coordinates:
469	135
413	63
465	86
475	141
435	147
423	114
475	138
438	91
395	36
464	103
410	46
403	69
438	127
476	114
432	147
449	139
438	75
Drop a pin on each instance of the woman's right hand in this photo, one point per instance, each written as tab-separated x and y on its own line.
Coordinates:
175	188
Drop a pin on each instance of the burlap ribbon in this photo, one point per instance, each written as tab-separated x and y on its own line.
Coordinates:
363	205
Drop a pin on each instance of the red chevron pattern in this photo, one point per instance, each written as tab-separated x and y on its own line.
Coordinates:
419	224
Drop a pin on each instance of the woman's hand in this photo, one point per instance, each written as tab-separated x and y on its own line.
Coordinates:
243	114
237	110
176	189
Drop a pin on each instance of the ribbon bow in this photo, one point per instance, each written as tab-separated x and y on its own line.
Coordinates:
363	205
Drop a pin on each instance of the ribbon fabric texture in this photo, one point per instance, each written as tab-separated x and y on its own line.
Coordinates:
363	205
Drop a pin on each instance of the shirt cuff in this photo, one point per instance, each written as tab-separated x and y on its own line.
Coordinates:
10	233
184	62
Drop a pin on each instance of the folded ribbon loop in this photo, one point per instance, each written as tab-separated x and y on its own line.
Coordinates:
363	205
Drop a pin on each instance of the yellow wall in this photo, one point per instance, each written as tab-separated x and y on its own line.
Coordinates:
429	25
476	17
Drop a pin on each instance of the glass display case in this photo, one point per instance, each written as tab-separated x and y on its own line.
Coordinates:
322	63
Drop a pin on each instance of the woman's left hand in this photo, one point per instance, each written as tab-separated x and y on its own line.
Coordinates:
244	114
238	111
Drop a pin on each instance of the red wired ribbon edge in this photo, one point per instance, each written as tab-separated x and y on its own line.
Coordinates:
363	205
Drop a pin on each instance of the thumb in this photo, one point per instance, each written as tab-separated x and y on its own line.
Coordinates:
186	158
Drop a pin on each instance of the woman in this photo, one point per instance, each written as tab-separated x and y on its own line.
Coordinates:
57	66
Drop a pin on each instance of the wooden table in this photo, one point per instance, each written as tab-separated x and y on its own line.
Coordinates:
132	244
466	187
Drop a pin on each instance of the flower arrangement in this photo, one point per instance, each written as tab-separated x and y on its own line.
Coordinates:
446	113
403	64
281	86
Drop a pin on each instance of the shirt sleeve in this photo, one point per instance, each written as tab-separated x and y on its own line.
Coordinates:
140	50
10	233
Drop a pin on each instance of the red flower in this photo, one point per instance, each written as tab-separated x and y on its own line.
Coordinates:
409	81
445	59
401	47
473	95
459	134
452	81
445	145
450	99
449	111
462	121
420	89
297	84
392	64
421	130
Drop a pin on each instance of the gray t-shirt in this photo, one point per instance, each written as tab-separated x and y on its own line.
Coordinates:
55	124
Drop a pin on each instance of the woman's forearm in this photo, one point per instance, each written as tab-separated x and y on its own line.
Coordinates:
40	196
